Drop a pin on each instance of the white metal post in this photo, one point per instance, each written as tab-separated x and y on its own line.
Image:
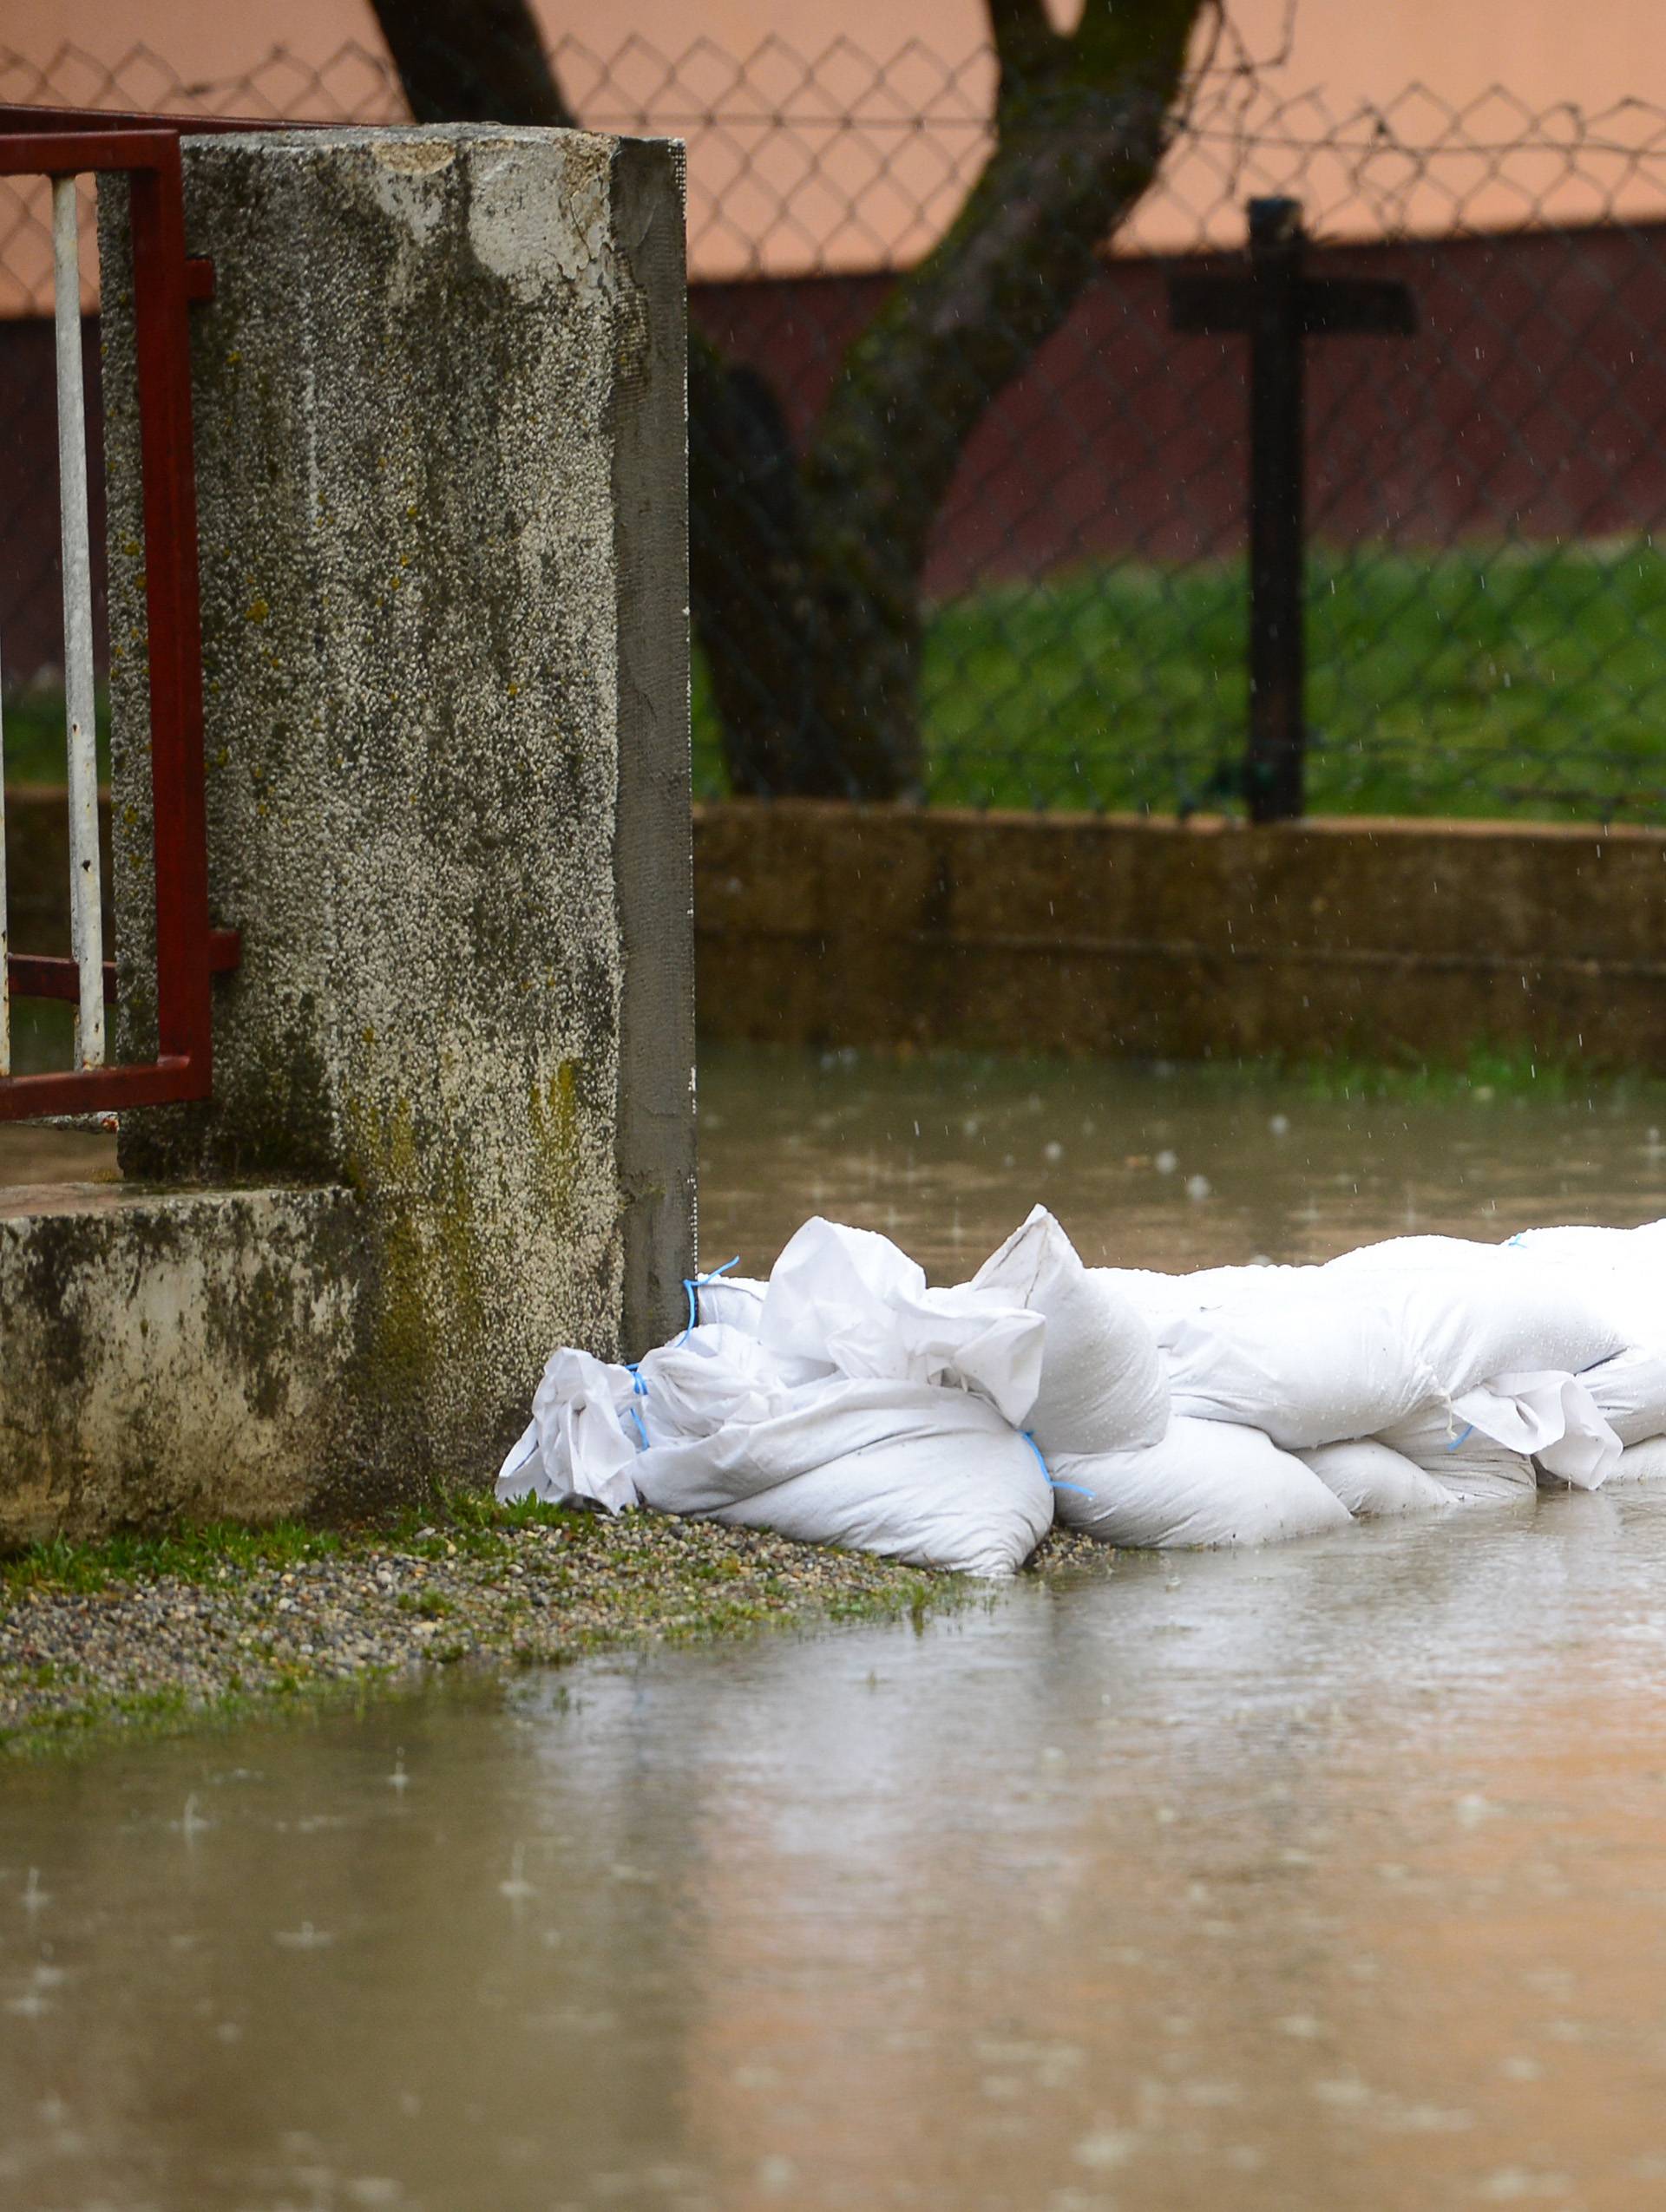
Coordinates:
87	929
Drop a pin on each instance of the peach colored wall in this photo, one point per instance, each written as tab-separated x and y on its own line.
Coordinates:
1543	49
878	196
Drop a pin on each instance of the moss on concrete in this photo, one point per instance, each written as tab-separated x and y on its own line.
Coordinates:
173	1354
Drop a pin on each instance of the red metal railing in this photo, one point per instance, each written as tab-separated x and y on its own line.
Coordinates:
58	143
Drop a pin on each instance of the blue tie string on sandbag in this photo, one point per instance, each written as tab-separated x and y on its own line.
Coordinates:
1041	1463
639	1389
693	1284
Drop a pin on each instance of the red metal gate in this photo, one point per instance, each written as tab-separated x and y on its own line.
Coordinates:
55	144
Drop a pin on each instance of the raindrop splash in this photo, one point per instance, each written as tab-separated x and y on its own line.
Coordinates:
304	1938
517	1888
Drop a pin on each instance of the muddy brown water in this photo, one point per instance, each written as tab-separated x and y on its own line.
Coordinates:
1332	1876
1165	1168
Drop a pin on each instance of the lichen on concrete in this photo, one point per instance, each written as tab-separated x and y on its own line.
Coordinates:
172	1355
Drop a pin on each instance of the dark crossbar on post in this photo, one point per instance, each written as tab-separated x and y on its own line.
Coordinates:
1278	306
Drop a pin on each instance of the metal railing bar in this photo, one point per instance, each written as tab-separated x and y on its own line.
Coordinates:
86	921
188	953
5	910
46	975
100	1091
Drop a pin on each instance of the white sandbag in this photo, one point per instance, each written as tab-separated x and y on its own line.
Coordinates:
852	1298
1474	1311
1156	1298
1470	1467
1426	1255
1641	1462
714	1378
717	1424
1585	1250
583	1436
1630	1393
522	1473
1163	1301
1308	1371
736	1300
931	1477
1206	1484
1101	1386
591	1419
1373	1482
1623	1271
1582	1249
1552	1418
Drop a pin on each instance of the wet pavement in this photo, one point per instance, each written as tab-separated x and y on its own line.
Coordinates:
32	1158
1325	1878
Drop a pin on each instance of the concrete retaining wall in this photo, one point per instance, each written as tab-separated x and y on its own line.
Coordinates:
821	924
180	1355
829	925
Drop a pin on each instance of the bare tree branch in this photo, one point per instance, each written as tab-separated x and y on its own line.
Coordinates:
1076	150
1025	41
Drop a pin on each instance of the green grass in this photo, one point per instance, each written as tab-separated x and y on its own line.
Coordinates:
201	1554
1483	1075
1492	681
32	732
453	1522
639	1578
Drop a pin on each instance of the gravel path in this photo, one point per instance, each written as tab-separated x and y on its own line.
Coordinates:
140	1633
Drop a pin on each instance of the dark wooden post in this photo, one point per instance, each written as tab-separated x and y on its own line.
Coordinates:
1277	747
1277	306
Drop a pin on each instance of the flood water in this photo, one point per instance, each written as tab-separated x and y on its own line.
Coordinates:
1328	1877
1166	1168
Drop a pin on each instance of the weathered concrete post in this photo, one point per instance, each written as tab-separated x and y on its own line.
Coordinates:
439	399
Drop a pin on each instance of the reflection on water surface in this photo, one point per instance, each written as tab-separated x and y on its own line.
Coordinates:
1332	1877
1148	1169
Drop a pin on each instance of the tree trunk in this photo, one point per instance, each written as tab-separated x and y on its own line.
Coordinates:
1081	126
806	569
483	63
802	667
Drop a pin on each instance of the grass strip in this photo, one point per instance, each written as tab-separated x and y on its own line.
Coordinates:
168	1631
1522	681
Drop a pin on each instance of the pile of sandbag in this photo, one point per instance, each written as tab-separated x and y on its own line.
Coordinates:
844	1401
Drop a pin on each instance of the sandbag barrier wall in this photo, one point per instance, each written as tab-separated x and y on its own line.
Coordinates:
819	923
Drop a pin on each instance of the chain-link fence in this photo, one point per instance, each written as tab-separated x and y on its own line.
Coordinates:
1485	602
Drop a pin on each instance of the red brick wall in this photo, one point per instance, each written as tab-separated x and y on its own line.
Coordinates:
1533	400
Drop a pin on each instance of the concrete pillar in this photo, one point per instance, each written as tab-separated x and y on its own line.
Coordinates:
439	400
